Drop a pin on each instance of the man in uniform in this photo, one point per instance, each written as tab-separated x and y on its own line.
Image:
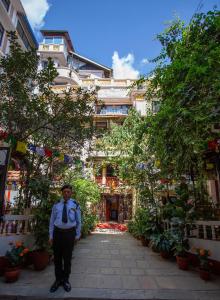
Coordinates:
64	229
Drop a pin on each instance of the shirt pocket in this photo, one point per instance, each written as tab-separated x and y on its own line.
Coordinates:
72	216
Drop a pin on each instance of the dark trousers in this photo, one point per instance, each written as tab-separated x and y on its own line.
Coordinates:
63	243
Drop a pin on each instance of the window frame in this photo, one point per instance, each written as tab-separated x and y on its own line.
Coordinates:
2	36
52	40
23	35
6	4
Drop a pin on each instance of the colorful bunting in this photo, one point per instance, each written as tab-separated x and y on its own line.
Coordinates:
32	147
40	151
21	147
67	159
11	140
61	156
48	153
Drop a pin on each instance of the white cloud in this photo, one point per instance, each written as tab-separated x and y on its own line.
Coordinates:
145	61
123	67
36	11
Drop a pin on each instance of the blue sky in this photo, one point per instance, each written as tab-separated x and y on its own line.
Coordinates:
100	28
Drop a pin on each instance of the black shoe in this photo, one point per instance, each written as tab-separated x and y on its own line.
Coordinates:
55	286
67	286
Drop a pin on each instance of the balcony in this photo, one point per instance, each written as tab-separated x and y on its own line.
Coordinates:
68	75
54	50
113	110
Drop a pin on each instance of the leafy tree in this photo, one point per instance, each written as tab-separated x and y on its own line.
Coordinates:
31	111
186	80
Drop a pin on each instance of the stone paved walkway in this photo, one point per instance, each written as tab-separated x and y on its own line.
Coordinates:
116	266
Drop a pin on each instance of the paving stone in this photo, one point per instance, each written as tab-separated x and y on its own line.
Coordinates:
136	271
108	266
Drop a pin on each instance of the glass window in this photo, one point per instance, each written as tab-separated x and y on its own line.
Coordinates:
58	40
155	106
22	35
44	64
1	33
48	40
53	40
6	4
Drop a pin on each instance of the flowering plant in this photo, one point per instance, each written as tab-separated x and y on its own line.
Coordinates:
17	253
203	255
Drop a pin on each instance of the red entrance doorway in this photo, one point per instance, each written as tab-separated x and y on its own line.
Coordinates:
112	208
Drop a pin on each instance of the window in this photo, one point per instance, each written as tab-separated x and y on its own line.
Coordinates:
53	40
113	110
44	64
110	171
22	35
101	125
1	33
6	4
48	40
155	106
57	40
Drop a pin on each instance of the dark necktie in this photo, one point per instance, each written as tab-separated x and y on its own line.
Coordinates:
64	214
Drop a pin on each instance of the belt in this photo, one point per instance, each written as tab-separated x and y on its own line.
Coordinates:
64	229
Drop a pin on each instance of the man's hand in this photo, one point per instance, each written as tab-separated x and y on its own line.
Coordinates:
77	238
51	242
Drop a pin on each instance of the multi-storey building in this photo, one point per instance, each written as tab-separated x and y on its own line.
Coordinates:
115	100
13	18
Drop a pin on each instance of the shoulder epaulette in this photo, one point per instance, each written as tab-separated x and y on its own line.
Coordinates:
77	204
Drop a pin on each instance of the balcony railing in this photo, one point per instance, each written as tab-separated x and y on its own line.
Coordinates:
206	230
113	111
16	225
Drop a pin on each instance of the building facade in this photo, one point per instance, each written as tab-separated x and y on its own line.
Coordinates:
114	102
13	18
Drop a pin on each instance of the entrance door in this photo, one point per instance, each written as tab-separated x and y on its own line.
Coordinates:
112	208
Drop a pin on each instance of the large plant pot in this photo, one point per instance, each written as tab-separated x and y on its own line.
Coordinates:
28	259
3	265
183	262
40	260
145	242
165	254
205	275
12	274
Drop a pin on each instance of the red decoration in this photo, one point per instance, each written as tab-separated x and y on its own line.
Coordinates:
212	145
3	134
120	227
164	180
48	152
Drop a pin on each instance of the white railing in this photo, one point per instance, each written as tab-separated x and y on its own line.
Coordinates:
201	234
108	82
16	225
206	230
68	73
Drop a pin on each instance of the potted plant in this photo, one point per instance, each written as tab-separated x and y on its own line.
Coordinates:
3	264
204	263
164	243
181	246
15	258
41	215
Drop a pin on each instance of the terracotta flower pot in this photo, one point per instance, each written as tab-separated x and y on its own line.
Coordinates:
204	274
145	242
3	265
40	260
165	254
183	262
28	259
12	274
